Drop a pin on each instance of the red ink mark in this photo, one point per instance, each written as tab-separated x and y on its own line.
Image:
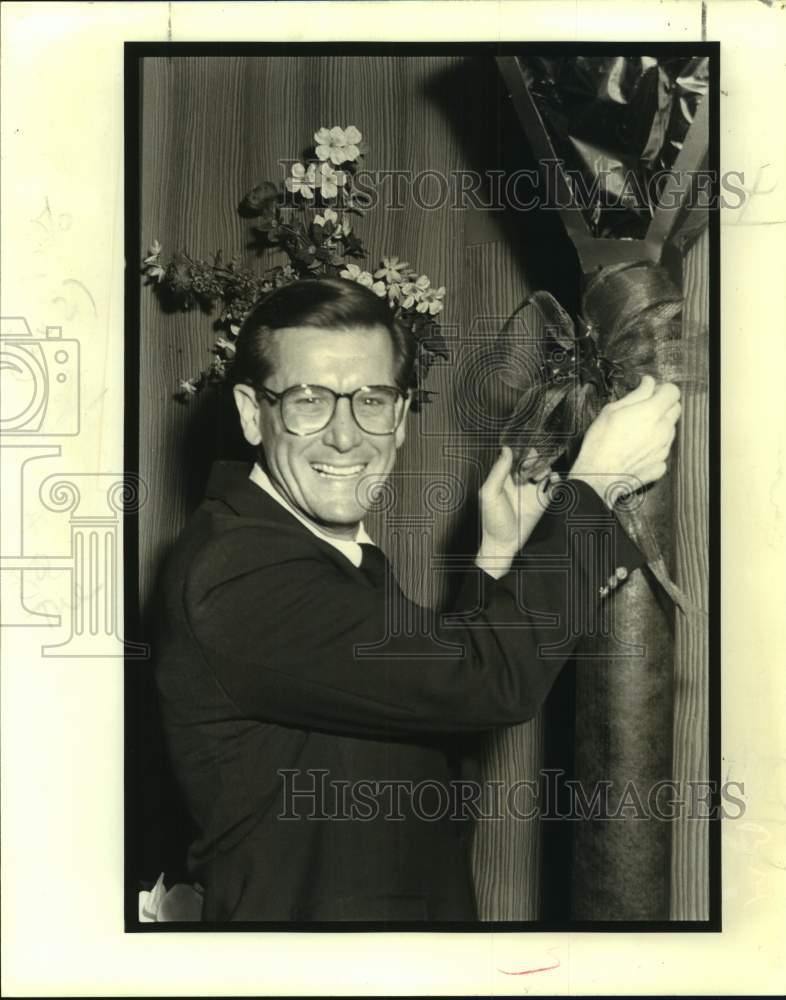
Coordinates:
528	972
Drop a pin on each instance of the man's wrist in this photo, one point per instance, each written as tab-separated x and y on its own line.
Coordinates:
494	560
600	484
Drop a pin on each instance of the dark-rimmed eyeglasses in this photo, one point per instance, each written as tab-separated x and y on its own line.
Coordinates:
308	409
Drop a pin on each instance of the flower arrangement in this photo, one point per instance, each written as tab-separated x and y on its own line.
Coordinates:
307	217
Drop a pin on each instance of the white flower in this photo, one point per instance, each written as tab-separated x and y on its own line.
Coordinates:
351	272
412	294
431	301
344	228
337	144
153	253
155	271
302	180
329	216
330	180
393	270
188	386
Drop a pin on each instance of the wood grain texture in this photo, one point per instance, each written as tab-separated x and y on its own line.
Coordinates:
690	843
506	851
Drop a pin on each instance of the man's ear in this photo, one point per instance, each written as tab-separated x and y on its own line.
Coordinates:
248	411
401	430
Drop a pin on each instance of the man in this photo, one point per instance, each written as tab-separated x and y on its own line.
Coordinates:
273	714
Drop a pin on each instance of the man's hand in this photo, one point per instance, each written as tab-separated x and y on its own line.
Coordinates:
629	440
509	514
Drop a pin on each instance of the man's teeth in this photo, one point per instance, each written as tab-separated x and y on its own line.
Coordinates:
337	471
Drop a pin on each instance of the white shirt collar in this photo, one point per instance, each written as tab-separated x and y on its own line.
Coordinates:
351	549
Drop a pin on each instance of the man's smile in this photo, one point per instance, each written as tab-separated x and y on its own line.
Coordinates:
329	471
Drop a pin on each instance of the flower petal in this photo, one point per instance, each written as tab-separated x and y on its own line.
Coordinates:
352	136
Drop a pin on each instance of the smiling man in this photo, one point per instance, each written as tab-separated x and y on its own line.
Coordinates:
297	755
328	416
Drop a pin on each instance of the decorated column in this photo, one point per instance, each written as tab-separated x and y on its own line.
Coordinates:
619	140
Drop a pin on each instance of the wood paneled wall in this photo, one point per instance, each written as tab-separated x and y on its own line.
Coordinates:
690	837
506	852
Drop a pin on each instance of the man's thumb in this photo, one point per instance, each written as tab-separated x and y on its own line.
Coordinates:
643	390
499	471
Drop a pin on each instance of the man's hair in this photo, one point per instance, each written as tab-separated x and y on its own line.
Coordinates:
324	303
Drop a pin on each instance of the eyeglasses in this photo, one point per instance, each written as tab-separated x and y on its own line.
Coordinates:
308	409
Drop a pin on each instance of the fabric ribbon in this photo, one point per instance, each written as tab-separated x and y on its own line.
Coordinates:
564	372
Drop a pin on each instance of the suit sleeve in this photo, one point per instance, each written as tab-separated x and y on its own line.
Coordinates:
291	639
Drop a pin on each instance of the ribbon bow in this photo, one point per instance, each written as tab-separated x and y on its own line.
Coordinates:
564	372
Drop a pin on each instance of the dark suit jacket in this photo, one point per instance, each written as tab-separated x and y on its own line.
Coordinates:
258	672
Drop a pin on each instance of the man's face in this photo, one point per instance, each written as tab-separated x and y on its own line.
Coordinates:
320	473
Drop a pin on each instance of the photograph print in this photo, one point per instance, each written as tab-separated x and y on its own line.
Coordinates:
421	383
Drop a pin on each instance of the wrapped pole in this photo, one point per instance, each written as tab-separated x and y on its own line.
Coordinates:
624	721
624	684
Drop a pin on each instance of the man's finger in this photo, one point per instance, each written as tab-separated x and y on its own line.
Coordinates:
666	395
642	392
499	471
673	414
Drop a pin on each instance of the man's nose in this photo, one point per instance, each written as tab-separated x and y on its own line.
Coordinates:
343	433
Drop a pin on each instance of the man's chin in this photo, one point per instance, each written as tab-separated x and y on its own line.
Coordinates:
340	517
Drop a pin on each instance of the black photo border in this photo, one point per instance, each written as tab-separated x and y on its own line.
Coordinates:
134	54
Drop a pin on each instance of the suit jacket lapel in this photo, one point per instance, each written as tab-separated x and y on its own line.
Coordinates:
229	484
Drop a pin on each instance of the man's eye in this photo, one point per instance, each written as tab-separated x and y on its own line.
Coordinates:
309	402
